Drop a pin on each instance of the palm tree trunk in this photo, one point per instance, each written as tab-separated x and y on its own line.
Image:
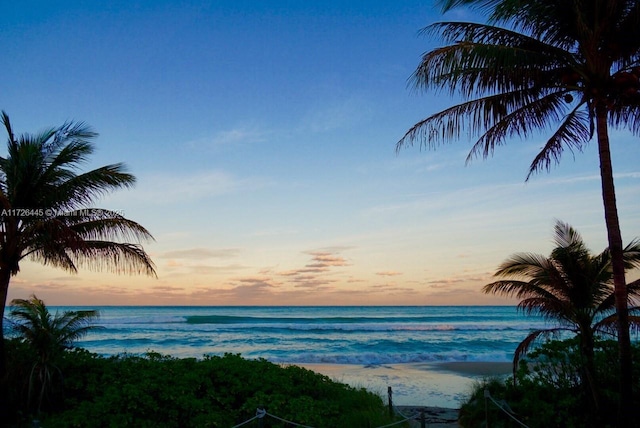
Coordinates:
4	288
9	257
5	277
587	352
617	262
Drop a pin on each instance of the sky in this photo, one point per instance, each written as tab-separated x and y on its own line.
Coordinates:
262	135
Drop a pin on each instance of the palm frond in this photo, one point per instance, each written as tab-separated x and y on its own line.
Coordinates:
491	34
626	116
523	347
520	121
81	190
517	289
477	69
540	272
447	5
633	288
53	256
73	325
100	224
512	77
549	308
524	265
628	28
632	255
70	155
120	258
71	133
449	124
565	236
571	134
607	303
66	240
7	126
609	324
47	241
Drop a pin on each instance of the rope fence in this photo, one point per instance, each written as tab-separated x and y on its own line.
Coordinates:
261	413
502	406
393	410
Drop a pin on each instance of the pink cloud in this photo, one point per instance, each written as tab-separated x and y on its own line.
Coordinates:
389	273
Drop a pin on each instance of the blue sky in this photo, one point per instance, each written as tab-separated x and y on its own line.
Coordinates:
262	135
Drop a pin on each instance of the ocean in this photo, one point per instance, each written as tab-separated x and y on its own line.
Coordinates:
360	335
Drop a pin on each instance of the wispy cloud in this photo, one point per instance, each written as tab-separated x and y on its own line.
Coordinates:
389	273
337	115
246	290
474	279
317	273
161	187
445	283
51	285
201	253
167	288
456	292
392	289
166	188
185	269
211	270
274	232
326	259
199	261
232	137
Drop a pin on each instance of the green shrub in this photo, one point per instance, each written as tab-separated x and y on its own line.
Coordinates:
161	391
549	391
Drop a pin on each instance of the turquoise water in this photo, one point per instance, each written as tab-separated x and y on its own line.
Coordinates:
342	335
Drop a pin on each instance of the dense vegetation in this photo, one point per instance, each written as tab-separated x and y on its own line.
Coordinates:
156	390
549	390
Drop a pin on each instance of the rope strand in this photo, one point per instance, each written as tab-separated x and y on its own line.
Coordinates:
288	422
487	395
259	415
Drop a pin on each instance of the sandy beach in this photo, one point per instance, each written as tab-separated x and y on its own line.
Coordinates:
445	384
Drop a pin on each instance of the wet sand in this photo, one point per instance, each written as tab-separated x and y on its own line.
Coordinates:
445	384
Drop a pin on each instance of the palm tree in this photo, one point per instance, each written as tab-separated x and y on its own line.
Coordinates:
571	287
47	212
48	336
573	65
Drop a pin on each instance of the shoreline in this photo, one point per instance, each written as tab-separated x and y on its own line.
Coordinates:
475	368
433	384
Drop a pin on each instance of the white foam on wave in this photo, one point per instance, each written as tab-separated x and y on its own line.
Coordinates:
377	358
142	320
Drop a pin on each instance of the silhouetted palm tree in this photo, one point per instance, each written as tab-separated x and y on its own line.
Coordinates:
572	288
48	336
46	209
571	65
